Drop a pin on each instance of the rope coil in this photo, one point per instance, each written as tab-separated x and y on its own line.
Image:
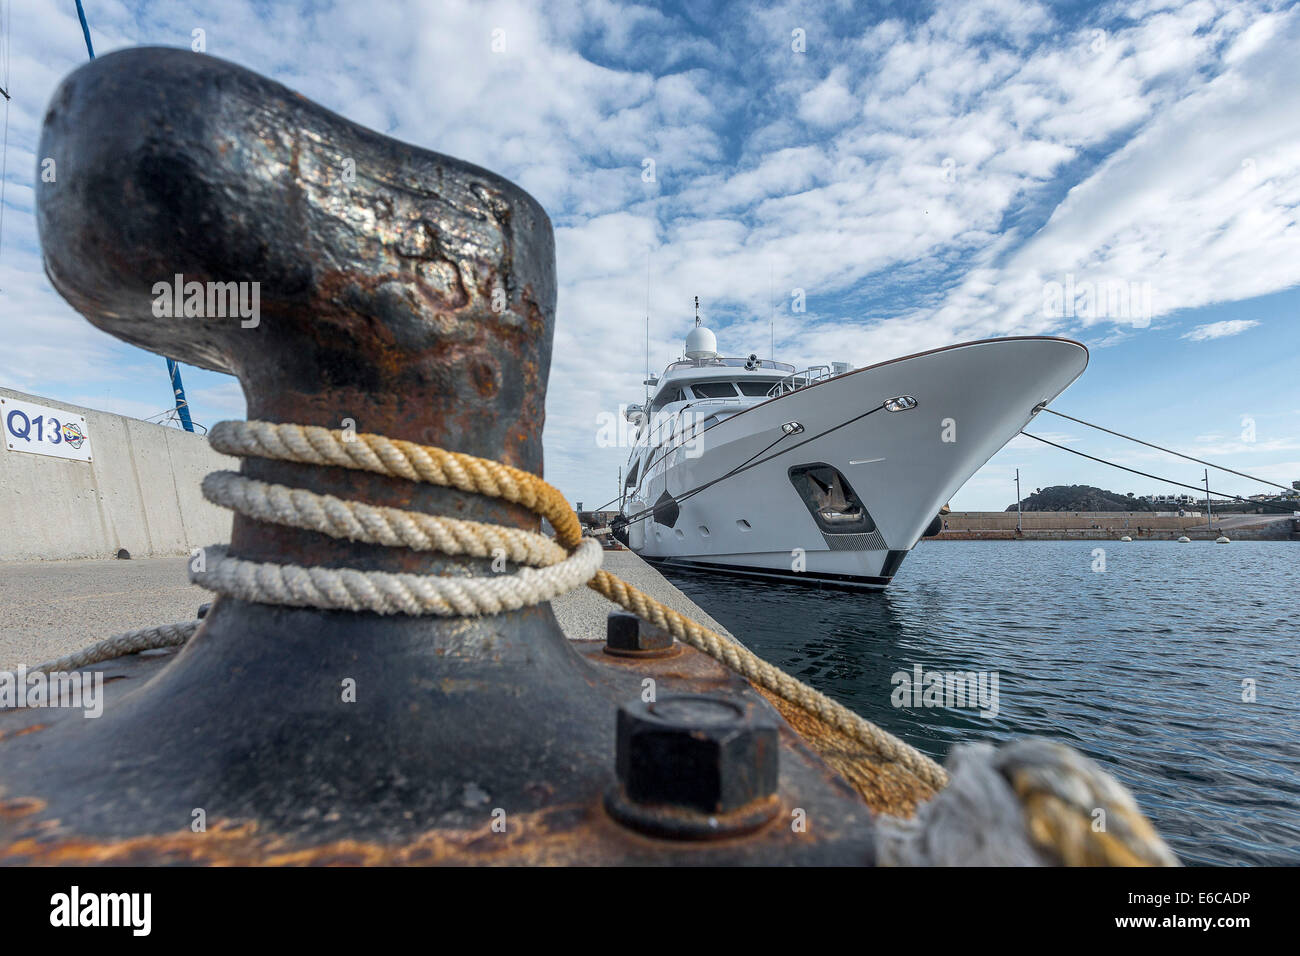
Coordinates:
551	568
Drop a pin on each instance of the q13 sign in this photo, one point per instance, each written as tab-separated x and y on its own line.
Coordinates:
41	430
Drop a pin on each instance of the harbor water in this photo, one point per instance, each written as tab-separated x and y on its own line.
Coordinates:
1174	666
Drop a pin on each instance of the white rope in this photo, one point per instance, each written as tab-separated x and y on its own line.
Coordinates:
344	589
550	574
145	639
393	527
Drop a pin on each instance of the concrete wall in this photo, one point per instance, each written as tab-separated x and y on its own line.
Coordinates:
140	492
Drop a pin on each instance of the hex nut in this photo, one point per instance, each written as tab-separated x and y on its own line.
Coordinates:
706	753
626	635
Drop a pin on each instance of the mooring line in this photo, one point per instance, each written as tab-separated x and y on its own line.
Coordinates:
1170	451
1144	474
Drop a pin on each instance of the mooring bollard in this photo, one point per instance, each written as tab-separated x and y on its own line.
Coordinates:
381	289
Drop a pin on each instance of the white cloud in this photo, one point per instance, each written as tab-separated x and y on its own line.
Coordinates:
1218	330
829	103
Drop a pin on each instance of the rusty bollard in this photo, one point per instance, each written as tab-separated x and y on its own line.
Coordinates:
413	294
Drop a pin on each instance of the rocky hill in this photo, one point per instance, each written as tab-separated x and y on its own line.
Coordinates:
1082	498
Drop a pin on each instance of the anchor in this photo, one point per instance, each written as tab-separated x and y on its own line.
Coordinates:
411	295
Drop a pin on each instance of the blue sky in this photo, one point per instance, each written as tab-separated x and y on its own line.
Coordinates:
922	172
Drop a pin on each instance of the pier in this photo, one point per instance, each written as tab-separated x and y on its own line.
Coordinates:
52	608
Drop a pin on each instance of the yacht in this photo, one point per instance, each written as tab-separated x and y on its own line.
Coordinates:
829	475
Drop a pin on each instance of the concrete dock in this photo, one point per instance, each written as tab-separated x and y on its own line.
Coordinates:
52	608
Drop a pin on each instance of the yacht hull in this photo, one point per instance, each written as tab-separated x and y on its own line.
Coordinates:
727	501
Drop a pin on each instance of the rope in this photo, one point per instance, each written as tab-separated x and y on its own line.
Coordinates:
1030	802
553	567
1168	451
356	521
132	642
880	743
343	589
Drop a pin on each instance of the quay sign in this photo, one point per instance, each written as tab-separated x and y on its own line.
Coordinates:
41	430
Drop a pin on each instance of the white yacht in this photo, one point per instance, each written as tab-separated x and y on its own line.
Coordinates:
825	475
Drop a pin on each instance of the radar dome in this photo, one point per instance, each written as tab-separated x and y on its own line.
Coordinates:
701	343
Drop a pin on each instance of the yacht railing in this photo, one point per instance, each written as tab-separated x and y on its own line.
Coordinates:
730	363
801	379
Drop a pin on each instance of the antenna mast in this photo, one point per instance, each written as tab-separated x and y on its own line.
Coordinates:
646	380
173	367
771	319
1209	508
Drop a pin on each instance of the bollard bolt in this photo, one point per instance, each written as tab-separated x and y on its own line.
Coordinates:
626	635
695	766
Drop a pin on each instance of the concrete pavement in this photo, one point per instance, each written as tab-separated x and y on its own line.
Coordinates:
52	608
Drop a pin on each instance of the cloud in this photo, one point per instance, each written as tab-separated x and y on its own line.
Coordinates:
829	103
1218	330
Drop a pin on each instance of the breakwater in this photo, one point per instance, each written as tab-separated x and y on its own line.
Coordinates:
1111	525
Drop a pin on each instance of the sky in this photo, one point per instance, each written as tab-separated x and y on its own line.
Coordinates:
912	175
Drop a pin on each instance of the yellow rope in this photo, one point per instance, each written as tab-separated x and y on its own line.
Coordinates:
432	465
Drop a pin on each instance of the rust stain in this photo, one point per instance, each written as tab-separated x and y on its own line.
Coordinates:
31	729
485	379
555	835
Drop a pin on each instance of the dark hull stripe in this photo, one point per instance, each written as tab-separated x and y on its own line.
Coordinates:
847	582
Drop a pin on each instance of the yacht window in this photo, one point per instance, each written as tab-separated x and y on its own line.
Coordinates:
631	475
714	390
674	395
755	389
831	500
695	420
